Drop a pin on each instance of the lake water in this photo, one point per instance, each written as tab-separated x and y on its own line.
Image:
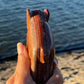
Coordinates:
66	21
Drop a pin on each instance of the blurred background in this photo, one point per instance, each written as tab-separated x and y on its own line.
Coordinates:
66	21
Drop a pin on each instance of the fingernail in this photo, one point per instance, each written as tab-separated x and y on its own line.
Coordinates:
19	48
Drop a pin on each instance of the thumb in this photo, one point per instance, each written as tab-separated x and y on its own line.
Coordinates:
23	63
22	50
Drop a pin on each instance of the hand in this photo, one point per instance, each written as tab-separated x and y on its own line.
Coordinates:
56	78
22	72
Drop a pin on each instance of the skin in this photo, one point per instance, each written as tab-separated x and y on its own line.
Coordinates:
22	72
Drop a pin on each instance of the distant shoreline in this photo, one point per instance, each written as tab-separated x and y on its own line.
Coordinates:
9	58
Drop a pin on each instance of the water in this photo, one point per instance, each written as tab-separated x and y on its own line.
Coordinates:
66	21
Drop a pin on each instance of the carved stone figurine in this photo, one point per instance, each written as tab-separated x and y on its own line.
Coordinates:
40	45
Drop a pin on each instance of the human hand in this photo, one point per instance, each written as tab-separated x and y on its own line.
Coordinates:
22	72
56	78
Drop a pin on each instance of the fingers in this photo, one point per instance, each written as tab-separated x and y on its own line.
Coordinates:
56	78
22	54
23	64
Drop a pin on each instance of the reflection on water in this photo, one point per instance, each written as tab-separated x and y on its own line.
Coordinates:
66	21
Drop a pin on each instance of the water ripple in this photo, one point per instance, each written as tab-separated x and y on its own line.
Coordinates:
66	21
